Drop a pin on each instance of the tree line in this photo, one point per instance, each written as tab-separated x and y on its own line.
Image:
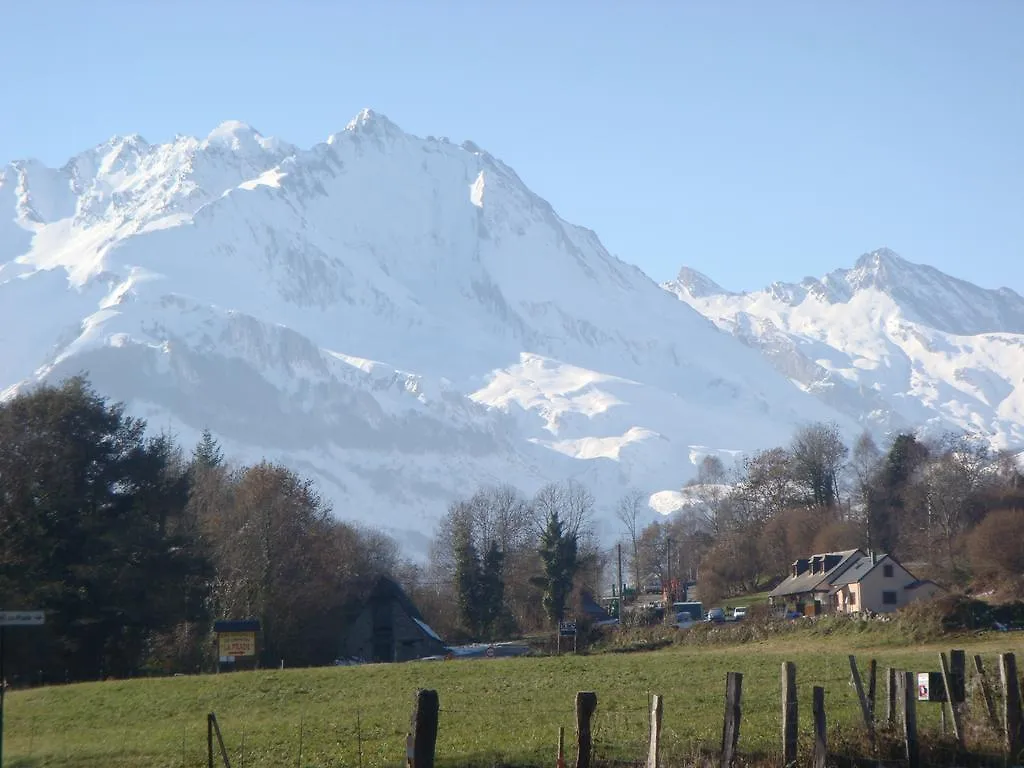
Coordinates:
945	507
502	563
133	546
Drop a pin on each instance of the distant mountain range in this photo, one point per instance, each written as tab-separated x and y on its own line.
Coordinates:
401	319
891	344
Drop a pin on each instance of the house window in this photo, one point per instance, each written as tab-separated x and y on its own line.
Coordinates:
888	598
853	598
887	571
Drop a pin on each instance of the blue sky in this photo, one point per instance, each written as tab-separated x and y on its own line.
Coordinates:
754	141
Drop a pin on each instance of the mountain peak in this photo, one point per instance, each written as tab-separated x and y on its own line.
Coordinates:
237	136
882	269
880	256
368	121
697	284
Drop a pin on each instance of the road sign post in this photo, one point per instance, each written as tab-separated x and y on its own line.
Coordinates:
12	619
567	629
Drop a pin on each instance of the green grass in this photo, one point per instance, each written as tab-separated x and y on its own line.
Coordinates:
755	598
493	711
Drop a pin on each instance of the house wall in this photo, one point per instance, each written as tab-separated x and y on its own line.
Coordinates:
870	590
848	599
923	592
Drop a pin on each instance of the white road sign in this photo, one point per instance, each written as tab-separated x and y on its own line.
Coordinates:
22	618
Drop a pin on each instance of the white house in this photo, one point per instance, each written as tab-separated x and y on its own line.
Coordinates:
878	584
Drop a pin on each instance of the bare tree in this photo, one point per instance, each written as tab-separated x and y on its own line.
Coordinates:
865	464
997	548
764	489
711	490
629	511
951	484
573	503
816	457
501	514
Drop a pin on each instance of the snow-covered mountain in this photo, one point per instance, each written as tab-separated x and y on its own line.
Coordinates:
399	318
893	344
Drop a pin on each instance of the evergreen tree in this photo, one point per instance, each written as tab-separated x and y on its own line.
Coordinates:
468	579
887	507
558	554
90	531
207	453
492	589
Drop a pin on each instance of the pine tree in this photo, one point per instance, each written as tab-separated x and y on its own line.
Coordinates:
492	589
90	522
207	453
468	578
558	554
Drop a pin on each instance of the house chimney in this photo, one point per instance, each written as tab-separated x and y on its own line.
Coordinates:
874	558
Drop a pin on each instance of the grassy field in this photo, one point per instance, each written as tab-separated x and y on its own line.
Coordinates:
493	711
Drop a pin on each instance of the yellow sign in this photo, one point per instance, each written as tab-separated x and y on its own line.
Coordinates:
236	643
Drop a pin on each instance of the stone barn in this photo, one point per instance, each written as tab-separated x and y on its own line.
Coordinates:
385	626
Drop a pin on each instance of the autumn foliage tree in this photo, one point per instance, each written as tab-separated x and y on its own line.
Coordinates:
996	549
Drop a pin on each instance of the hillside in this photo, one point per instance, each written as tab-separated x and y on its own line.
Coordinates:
399	318
894	344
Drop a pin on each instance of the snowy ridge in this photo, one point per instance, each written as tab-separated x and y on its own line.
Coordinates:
895	344
399	318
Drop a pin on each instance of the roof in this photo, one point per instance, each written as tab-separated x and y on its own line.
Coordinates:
814	582
592	608
385	590
859	570
236	625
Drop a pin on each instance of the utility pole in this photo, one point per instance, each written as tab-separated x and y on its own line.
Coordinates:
620	589
671	596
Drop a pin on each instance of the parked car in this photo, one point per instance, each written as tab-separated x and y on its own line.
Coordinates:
740	612
716	615
684	620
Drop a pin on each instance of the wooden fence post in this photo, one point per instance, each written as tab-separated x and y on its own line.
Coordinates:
733	712
820	728
560	758
1011	706
653	752
986	692
948	683
422	742
872	687
890	696
213	729
790	712
586	704
864	710
958	671
908	705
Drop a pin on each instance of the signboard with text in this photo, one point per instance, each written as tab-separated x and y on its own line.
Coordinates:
236	644
22	618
